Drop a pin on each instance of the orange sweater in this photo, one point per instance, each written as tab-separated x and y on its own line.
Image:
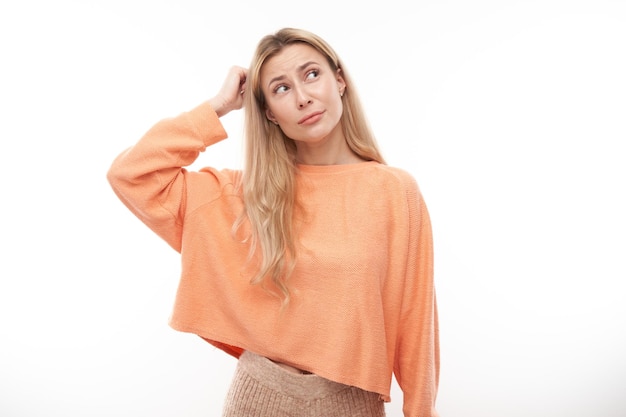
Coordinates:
363	299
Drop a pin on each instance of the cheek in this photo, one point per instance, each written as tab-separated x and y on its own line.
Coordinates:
278	110
338	103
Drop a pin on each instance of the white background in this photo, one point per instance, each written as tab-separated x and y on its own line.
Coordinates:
510	114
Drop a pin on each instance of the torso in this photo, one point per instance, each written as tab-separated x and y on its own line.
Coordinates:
290	368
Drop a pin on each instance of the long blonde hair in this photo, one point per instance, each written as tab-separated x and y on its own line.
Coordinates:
268	181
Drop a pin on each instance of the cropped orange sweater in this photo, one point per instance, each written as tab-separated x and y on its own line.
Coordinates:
363	299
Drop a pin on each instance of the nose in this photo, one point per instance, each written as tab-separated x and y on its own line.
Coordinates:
302	98
302	103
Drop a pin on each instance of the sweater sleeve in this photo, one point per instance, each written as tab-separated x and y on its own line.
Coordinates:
149	177
417	359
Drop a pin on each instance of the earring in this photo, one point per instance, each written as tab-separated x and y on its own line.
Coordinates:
340	93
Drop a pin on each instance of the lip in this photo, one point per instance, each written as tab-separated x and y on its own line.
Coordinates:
310	118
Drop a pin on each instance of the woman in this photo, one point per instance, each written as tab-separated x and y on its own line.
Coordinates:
313	264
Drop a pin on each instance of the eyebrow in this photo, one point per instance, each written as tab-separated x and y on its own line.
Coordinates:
300	68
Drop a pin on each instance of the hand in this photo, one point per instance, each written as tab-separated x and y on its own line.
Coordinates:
230	96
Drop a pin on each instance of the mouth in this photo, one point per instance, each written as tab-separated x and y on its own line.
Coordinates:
311	118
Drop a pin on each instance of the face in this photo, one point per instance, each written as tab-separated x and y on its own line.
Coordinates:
303	95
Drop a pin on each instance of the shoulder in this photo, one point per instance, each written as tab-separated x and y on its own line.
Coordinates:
209	185
399	185
398	176
220	177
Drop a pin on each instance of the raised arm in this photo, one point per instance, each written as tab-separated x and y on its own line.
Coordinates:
150	178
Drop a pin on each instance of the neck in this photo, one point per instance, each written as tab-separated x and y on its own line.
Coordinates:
329	153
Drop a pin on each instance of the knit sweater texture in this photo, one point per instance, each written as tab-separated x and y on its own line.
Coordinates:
363	304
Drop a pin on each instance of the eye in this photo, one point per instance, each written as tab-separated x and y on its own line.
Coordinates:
312	74
280	89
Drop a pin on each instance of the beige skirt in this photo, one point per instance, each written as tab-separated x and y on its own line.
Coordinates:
261	388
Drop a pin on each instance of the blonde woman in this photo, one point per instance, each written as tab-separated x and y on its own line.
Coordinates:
313	265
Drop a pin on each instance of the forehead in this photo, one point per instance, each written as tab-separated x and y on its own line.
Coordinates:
290	59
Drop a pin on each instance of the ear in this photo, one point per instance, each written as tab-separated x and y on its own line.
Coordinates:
341	83
270	116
